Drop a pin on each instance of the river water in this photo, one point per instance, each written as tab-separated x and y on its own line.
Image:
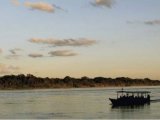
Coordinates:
82	103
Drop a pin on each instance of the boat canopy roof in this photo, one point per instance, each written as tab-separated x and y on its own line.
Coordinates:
141	92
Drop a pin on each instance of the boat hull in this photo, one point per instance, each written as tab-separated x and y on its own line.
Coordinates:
128	102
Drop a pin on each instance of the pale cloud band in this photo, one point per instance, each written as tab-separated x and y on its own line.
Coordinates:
40	6
1	51
35	55
14	56
48	7
15	2
148	22
105	3
62	53
8	69
15	50
152	22
14	53
64	42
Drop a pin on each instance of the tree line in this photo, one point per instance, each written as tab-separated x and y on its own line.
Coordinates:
29	81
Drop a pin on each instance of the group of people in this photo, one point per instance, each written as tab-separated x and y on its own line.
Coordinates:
131	99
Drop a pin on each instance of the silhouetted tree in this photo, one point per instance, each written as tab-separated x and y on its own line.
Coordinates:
30	81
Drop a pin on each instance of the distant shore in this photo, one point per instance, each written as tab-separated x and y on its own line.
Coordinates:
10	82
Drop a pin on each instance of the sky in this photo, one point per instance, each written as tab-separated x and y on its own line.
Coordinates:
58	38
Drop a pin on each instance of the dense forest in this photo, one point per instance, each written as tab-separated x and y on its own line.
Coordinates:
30	82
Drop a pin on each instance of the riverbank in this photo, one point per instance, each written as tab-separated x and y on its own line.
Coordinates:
32	82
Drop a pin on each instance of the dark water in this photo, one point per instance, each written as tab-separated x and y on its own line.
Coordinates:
82	103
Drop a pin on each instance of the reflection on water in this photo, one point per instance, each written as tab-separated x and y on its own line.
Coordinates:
85	103
131	112
131	107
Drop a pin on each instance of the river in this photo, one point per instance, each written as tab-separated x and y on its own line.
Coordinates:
81	103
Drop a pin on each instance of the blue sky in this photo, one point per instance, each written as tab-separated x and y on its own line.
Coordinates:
55	38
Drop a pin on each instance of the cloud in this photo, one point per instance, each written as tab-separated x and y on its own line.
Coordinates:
15	68
42	6
1	50
35	55
104	3
8	69
64	42
15	2
130	22
59	8
62	53
152	22
15	50
14	53
149	22
13	56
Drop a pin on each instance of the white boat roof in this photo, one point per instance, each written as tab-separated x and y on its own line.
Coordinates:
142	92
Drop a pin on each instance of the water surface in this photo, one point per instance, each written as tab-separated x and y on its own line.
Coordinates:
83	103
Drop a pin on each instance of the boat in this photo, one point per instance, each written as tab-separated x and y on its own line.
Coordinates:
131	98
